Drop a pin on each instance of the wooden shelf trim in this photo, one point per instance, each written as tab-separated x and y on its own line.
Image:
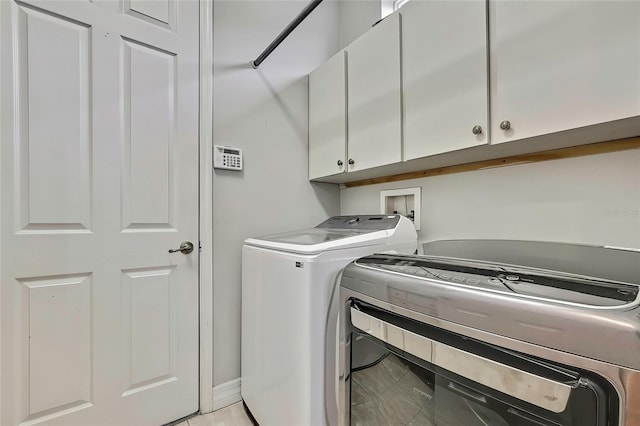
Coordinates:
535	157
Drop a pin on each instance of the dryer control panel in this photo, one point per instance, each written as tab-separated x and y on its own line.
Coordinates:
508	279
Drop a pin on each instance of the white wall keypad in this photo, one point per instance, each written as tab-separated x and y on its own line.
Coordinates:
225	157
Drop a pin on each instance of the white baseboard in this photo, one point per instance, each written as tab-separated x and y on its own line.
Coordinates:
226	394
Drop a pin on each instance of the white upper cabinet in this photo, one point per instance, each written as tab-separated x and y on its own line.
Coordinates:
445	76
558	65
374	97
327	118
440	76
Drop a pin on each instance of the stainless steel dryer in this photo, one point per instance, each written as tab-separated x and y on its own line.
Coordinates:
492	333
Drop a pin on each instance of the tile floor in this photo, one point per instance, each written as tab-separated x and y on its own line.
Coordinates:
233	415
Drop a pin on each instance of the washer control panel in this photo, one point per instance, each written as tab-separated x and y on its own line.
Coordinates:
362	222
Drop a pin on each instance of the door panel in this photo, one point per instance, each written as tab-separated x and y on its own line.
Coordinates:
150	113
159	12
52	49
148	359
98	322
59	329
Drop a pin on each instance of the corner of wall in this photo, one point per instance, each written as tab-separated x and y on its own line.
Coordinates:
226	394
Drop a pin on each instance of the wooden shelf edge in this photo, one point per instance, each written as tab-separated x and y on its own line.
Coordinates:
535	157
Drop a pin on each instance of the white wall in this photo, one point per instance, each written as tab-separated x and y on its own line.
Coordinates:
591	200
263	112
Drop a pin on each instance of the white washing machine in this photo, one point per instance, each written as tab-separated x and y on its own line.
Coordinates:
287	283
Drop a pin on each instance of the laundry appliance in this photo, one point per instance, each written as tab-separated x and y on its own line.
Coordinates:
500	333
287	282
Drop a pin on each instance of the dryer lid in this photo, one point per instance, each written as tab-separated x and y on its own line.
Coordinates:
606	263
509	280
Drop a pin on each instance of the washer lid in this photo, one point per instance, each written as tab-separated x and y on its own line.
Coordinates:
336	233
316	240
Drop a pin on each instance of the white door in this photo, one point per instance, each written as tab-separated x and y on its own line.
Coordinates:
99	179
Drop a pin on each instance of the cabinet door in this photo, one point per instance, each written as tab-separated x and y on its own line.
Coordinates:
444	50
374	101
327	118
562	65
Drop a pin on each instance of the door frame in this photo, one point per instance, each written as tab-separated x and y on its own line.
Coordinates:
206	206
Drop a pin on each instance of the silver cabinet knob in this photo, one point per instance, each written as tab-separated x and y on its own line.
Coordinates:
505	125
476	130
340	163
351	161
186	247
